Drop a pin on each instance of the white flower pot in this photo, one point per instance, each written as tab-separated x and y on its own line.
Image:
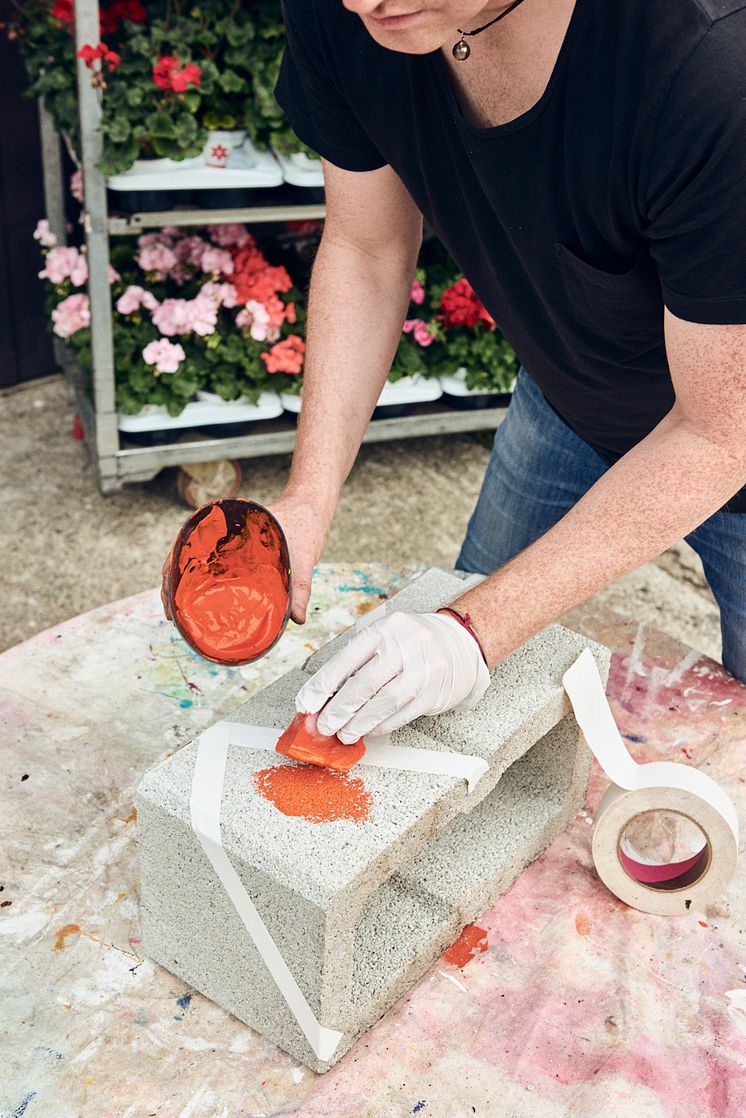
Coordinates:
206	409
454	387
408	390
299	169
220	144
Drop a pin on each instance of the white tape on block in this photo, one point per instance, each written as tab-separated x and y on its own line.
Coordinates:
204	806
379	752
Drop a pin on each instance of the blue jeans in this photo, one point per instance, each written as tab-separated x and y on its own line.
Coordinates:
539	469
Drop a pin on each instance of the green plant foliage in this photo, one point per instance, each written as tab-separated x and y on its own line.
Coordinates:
236	45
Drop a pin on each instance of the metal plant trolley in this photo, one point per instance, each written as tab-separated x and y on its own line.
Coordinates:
115	460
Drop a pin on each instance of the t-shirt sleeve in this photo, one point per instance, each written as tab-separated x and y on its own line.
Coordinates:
309	93
696	187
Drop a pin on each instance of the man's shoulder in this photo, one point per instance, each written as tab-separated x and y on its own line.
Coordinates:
715	10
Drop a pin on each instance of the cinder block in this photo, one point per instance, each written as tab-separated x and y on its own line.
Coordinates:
360	908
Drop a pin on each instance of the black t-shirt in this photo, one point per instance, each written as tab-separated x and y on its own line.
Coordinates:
621	189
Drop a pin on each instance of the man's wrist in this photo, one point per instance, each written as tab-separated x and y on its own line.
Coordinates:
321	500
465	621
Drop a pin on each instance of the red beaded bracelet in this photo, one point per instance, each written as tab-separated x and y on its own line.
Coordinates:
465	620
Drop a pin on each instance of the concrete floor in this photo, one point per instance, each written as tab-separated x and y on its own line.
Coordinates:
67	549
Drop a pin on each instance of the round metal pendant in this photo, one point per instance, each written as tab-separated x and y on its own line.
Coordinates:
461	50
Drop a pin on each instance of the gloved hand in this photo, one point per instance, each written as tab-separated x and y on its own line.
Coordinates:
399	667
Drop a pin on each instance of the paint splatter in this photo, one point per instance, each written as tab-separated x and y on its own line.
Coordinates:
20	1110
582	924
314	794
63	933
471	942
71	930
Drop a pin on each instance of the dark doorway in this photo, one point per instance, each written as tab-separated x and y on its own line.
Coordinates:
25	340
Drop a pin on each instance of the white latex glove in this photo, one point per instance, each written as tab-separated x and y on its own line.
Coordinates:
397	668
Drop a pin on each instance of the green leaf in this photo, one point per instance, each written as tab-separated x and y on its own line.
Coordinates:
160	124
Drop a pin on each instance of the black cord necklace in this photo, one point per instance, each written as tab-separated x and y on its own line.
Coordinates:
461	49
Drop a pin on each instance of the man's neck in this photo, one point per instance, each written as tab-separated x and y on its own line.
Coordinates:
510	63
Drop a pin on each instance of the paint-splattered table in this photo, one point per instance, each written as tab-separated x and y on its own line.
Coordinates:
579	1006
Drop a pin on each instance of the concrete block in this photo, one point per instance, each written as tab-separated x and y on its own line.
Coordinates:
361	907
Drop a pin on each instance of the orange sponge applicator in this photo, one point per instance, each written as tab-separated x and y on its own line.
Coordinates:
303	742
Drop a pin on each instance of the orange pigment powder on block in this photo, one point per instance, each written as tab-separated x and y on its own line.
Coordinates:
471	942
229	580
303	742
314	794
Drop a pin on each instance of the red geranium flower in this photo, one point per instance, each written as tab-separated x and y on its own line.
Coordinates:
168	76
89	54
63	11
119	10
461	307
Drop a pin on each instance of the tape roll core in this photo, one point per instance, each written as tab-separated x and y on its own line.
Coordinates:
701	882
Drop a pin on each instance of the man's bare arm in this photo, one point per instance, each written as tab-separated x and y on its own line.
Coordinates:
358	299
667	485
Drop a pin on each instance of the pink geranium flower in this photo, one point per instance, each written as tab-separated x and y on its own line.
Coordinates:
44	235
165	355
184	316
255	318
216	260
76	185
156	257
420	329
232	233
71	315
65	262
189	250
223	293
417	294
134	298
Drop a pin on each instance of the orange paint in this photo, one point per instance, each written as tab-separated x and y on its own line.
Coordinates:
63	933
71	930
471	942
314	794
229	581
582	924
303	742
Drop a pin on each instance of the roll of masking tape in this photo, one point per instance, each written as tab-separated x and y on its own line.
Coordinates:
665	839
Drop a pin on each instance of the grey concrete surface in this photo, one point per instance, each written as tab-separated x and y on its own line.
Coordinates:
353	939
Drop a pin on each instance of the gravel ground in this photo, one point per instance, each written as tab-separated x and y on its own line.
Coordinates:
68	549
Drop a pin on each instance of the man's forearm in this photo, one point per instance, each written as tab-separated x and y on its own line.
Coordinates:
657	493
357	304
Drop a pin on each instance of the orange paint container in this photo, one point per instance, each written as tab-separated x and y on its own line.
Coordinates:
229	581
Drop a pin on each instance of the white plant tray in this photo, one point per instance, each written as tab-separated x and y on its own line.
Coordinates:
454	384
247	167
408	390
299	169
290	402
202	412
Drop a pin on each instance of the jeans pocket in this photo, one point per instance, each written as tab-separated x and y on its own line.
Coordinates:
615	316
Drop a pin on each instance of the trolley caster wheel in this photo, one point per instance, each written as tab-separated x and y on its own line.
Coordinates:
200	482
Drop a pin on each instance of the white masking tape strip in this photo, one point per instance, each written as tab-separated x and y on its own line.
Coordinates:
657	786
204	806
379	752
372	615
